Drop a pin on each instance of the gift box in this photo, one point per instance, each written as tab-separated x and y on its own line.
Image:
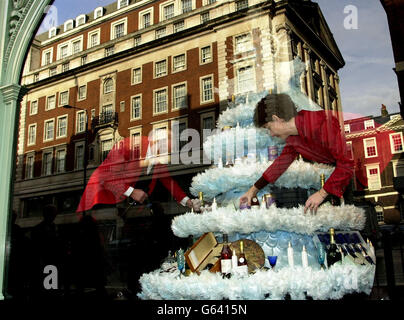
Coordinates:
205	251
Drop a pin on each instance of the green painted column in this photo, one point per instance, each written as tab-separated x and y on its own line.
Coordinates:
19	20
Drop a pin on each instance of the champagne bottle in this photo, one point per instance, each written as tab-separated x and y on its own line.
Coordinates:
201	198
225	255
242	261
333	254
334	200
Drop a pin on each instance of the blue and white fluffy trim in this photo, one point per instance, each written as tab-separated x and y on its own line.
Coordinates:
241	177
333	283
229	220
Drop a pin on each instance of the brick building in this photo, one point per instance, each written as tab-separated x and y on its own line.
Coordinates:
376	145
137	66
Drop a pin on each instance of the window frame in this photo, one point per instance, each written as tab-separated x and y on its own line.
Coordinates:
31	125
201	54
144	12
104	85
116	23
400	133
173	98
78	122
66	23
165	5
155	91
159	126
140	96
81	16
29	174
372	121
133	75
133	131
57	168
31	113
370	167
47	102
366	148
237	73
57	126
201	90
45	130
155	76
60	98
44	53
78	144
173	62
44	164
247	45
175	26
85	93
96	32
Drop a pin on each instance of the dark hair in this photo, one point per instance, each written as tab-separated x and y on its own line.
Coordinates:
280	105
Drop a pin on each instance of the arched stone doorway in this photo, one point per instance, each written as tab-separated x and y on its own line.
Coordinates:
20	20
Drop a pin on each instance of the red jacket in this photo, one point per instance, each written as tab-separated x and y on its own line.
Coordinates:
319	140
118	172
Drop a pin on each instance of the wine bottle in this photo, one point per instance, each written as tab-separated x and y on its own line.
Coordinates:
242	261
254	202
333	254
225	256
201	198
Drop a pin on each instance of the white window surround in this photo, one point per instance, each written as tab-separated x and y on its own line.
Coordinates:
193	6
96	32
122	4
123	21
45	139
58	136
80	126
173	97
184	67
178	26
369	124
144	12
80	90
155	68
47	107
68	25
98	12
243	42
156	129
136	81
69	45
350	149
44	53
134	131
52	32
33	132
252	84
33	110
155	101
62	103
365	146
108	85
201	57
201	93
392	144
167	4
374	181
81	19
347	128
132	98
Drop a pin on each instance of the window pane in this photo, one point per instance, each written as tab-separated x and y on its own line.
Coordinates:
206	54
168	11
161	68
180	96
207	87
179	62
136	105
160	101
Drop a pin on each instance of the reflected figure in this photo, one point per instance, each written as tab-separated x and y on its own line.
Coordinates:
47	250
89	258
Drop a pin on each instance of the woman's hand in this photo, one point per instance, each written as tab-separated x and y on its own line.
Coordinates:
138	195
246	197
315	200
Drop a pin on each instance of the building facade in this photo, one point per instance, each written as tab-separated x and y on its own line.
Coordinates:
134	67
375	143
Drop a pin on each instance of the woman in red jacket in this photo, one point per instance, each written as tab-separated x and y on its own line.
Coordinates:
316	135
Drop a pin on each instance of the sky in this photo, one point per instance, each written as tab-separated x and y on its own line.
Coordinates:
367	79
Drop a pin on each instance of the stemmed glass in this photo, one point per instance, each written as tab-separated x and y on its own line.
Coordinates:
180	260
272	259
321	255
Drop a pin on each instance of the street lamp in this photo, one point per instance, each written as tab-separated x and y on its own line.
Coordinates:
85	143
